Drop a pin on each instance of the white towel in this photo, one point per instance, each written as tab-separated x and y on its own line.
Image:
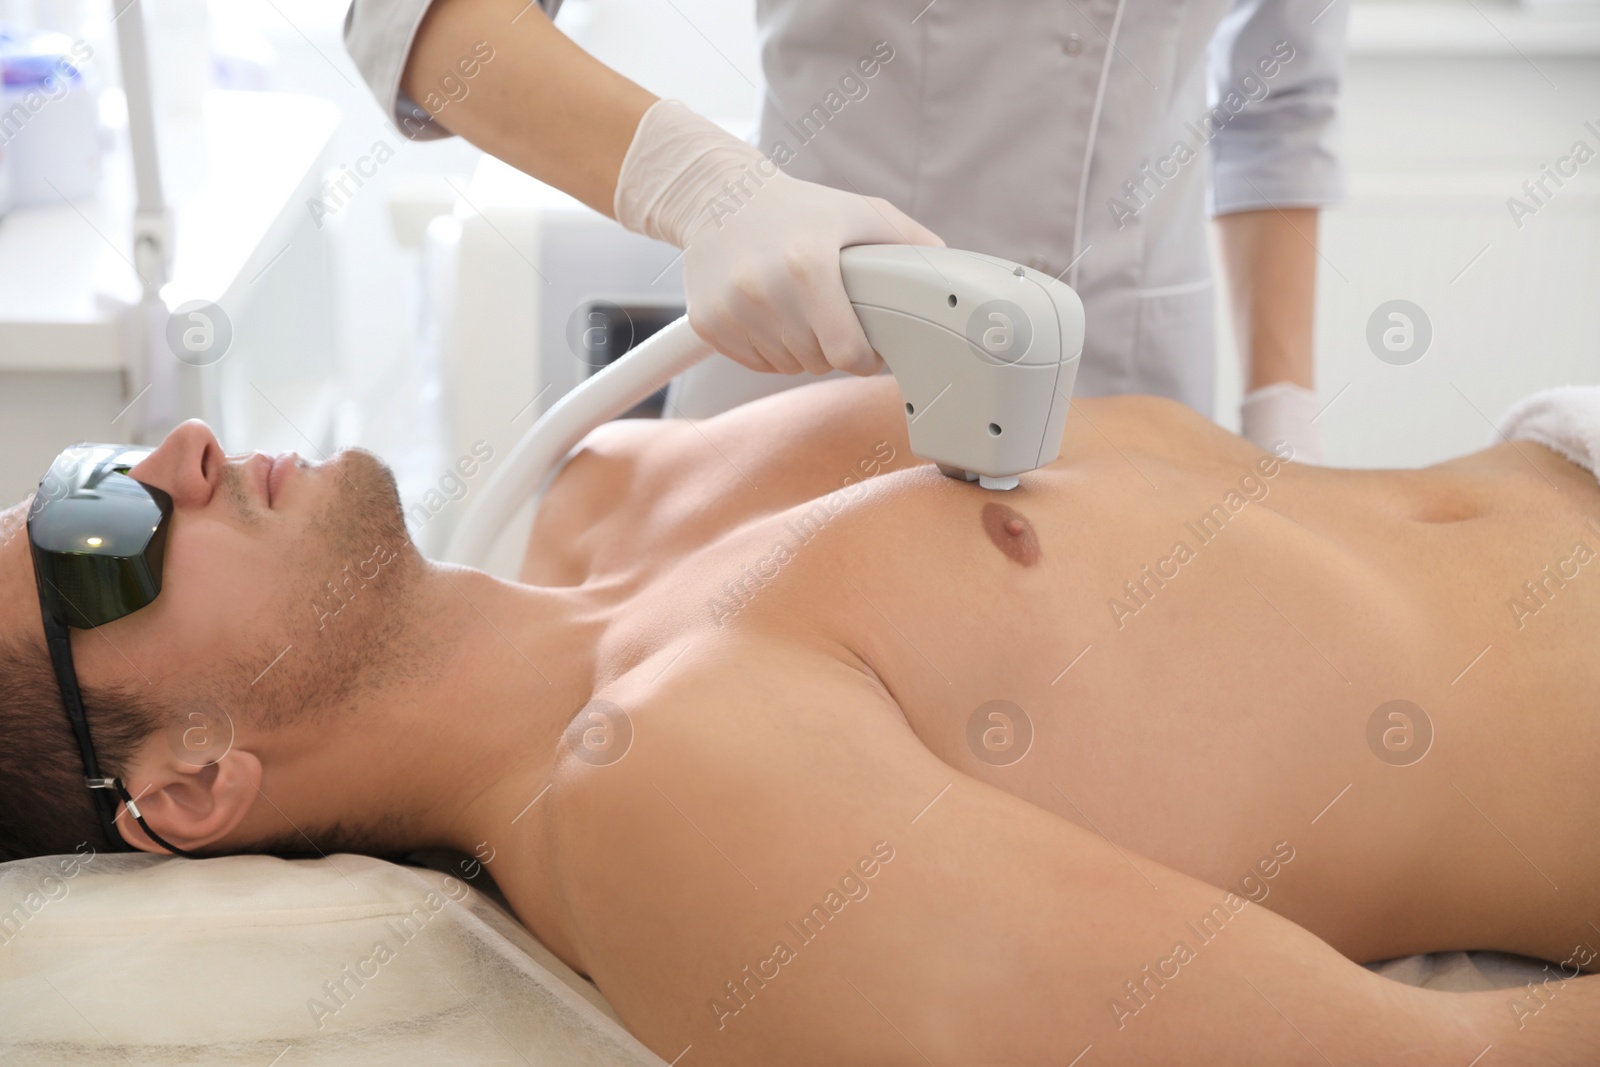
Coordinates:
1565	420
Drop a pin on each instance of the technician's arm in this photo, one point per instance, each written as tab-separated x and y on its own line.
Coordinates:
1273	164
761	266
1270	256
543	104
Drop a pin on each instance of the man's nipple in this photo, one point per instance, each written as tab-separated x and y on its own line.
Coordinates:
1012	534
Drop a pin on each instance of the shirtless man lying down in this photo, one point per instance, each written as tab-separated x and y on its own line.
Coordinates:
807	754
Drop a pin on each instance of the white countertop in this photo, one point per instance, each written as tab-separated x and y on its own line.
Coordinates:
66	279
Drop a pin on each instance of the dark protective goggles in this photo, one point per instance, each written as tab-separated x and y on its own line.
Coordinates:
98	539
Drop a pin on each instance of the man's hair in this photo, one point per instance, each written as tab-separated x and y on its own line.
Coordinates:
45	808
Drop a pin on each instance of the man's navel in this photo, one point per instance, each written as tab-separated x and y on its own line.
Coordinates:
1012	534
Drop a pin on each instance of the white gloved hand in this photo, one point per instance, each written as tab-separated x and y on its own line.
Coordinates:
761	249
1283	412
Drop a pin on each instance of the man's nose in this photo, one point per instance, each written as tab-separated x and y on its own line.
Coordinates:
188	464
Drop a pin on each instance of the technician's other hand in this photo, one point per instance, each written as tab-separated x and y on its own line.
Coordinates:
1282	418
761	249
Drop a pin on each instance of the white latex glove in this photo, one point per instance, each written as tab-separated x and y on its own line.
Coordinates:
1283	412
761	249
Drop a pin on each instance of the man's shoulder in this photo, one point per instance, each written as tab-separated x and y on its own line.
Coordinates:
699	736
722	707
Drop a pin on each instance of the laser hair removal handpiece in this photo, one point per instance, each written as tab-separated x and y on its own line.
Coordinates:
985	353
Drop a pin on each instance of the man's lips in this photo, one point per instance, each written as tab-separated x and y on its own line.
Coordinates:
276	473
260	470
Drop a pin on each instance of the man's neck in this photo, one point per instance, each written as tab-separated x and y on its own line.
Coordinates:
525	664
485	675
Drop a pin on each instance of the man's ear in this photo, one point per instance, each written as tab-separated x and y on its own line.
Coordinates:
190	806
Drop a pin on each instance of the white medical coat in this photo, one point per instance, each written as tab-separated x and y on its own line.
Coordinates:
1075	136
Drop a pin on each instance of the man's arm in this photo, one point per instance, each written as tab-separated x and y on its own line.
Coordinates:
779	872
542	104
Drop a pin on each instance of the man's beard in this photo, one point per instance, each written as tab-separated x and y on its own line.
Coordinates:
364	516
350	627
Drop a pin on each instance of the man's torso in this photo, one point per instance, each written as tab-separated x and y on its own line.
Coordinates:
1185	648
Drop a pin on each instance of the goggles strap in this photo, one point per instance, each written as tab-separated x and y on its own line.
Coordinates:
59	642
58	638
116	786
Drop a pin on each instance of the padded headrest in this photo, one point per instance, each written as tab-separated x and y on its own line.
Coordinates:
348	960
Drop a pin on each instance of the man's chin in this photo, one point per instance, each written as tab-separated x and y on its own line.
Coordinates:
369	489
353	458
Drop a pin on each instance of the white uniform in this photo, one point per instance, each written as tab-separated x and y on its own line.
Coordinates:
1070	135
